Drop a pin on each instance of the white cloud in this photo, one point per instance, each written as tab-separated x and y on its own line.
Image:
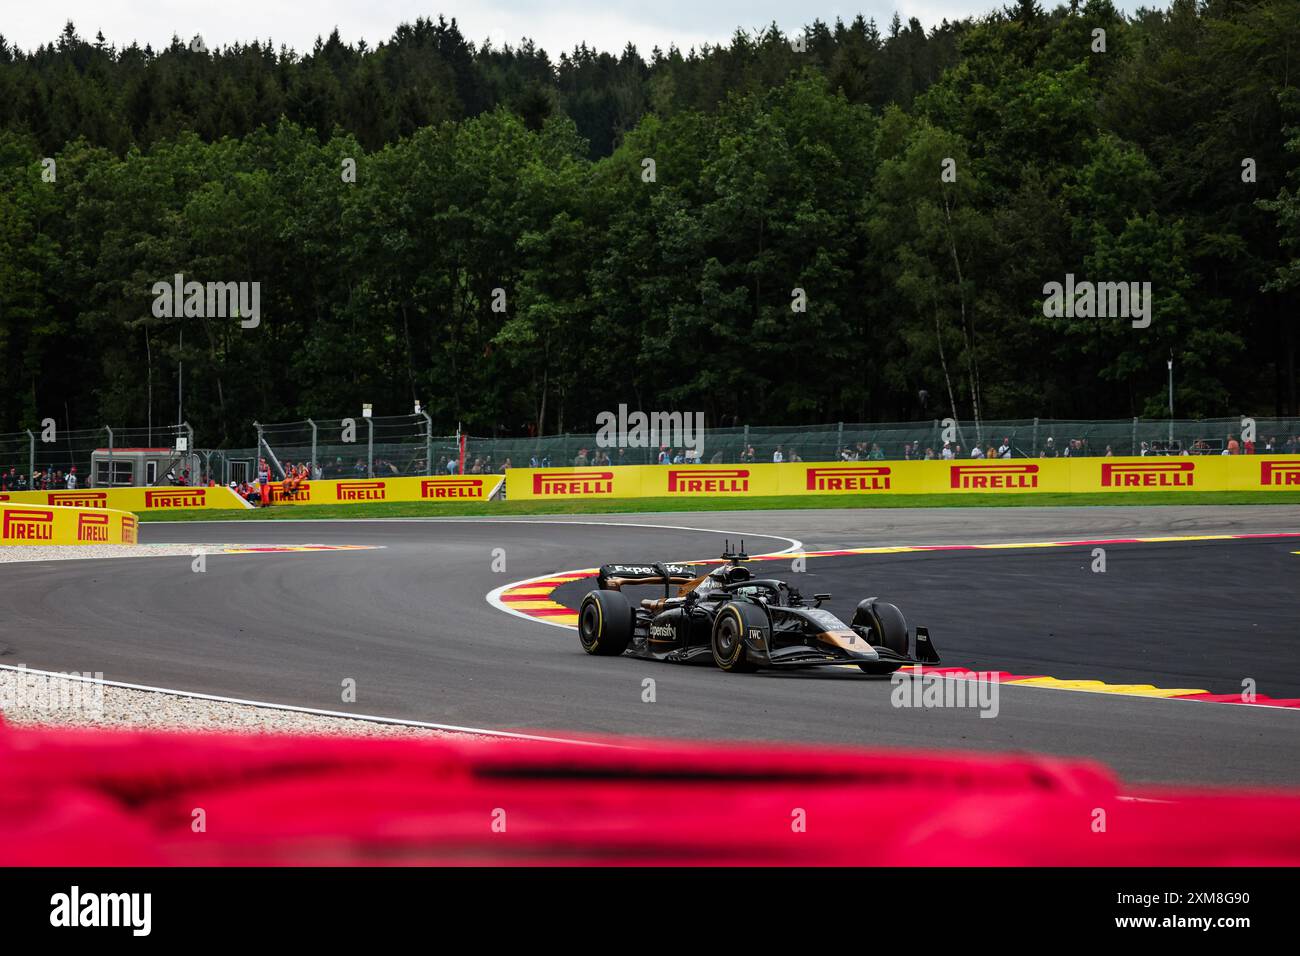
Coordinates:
555	24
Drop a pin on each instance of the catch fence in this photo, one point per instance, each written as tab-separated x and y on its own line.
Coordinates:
383	446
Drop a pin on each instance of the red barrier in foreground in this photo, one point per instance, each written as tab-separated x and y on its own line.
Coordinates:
135	799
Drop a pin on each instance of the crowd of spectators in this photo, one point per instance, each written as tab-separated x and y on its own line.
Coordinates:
476	465
43	479
1067	448
1005	447
1232	445
49	478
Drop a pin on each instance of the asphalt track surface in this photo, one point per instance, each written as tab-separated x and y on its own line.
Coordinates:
410	624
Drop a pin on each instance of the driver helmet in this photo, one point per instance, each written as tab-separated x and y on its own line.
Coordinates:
731	574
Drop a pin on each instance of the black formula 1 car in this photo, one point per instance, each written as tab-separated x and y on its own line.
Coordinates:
742	621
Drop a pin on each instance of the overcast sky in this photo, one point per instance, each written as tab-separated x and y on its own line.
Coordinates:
554	24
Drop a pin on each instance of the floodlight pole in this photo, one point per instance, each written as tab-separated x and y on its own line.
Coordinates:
1171	399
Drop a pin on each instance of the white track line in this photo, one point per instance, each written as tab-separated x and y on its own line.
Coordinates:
452	728
482	519
493	597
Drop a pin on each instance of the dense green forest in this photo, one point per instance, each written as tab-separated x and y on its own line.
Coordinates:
649	220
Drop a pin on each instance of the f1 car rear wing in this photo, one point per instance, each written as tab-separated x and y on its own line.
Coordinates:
615	576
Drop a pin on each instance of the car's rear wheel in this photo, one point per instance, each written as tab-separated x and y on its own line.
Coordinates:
605	623
729	641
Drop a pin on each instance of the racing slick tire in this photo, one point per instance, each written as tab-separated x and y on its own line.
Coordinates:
605	623
728	643
889	628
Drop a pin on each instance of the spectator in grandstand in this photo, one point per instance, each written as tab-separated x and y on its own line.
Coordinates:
1292	445
1270	445
875	454
794	456
1231	447
1049	450
452	465
777	456
1109	452
748	455
1004	450
505	466
580	460
664	458
976	451
477	467
70	482
1248	446
948	451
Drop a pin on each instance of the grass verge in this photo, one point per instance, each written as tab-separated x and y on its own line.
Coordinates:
428	509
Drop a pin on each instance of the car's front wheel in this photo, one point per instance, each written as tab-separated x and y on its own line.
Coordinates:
888	630
729	641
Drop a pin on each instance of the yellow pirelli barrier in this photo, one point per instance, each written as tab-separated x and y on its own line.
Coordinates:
1015	476
446	489
36	524
131	499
